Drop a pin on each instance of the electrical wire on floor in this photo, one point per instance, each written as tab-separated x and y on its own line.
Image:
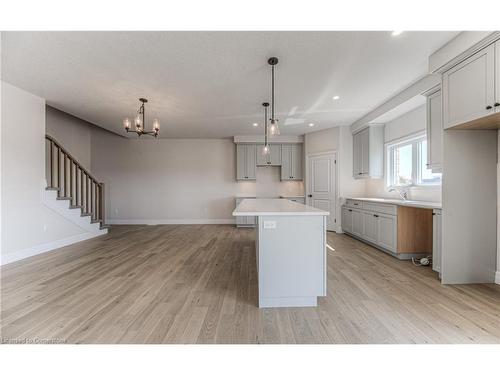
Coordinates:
425	261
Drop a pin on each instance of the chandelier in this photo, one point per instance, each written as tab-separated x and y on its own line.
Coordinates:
140	122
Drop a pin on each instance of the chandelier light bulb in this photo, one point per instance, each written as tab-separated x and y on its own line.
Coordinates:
126	123
265	150
138	121
156	125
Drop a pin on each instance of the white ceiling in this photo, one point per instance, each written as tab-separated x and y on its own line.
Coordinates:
212	84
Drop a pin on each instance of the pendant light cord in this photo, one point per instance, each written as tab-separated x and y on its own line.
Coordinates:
272	93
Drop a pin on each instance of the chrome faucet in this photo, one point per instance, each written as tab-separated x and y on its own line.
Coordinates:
402	193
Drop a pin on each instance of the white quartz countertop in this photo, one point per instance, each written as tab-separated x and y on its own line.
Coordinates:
400	202
275	207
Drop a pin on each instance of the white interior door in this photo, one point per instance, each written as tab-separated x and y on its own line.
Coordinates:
322	184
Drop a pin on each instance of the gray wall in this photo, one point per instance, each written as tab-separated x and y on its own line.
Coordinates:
174	180
71	132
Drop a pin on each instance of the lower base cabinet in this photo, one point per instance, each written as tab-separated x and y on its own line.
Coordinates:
436	240
244	221
370	221
377	228
388	232
402	231
357	223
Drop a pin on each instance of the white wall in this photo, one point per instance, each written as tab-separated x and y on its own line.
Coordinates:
175	180
28	226
405	125
71	132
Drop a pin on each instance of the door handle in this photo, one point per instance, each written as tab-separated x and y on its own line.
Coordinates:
496	104
489	107
310	195
375	215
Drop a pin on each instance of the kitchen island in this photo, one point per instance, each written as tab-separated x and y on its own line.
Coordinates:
290	246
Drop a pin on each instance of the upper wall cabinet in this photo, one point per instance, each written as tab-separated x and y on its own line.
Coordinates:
291	161
272	159
471	90
368	152
245	161
434	130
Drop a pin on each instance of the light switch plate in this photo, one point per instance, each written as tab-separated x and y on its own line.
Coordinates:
269	224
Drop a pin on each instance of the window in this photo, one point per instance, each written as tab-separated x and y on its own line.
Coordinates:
407	164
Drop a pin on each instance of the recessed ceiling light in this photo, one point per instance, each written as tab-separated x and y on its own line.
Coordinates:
255	124
396	33
311	124
336	97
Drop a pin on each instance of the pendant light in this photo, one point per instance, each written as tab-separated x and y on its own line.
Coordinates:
273	127
266	149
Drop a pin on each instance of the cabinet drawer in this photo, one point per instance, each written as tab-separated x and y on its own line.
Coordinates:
352	203
388	209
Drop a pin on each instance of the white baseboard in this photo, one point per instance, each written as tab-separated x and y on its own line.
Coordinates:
497	277
168	221
39	249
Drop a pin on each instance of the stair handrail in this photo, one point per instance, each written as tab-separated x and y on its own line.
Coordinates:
73	159
99	214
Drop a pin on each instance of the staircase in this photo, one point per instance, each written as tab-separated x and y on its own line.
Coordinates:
72	183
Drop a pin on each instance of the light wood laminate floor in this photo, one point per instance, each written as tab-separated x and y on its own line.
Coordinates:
197	284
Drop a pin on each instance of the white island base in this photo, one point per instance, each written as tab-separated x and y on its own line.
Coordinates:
291	251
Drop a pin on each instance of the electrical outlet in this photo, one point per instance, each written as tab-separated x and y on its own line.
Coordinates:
269	224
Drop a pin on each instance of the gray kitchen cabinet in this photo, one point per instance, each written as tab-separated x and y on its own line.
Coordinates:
376	224
434	130
291	162
271	159
368	152
301	200
357	223
346	219
370	221
469	88
436	240
245	161
244	221
387	232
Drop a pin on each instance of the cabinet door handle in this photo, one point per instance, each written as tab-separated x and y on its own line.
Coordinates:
489	107
375	215
310	195
496	104
350	210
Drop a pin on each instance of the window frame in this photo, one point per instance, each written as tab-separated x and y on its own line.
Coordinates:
416	141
